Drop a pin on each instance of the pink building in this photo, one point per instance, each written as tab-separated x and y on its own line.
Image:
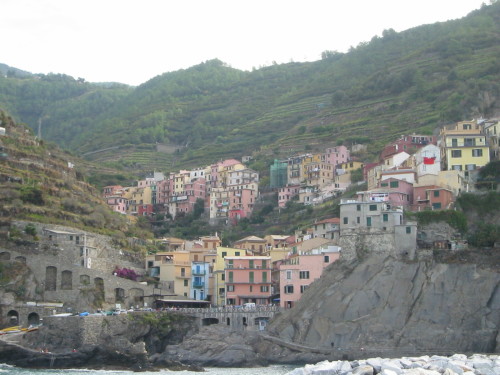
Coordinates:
241	203
286	193
336	155
299	271
247	279
117	204
399	192
186	199
164	191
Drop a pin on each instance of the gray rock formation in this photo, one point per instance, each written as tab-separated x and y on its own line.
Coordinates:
386	305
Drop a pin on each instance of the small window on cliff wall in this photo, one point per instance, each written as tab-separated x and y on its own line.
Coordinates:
408	230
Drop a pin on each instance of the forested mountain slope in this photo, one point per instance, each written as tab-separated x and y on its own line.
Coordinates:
402	82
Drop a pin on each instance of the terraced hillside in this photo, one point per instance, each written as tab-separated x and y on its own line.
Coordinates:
402	82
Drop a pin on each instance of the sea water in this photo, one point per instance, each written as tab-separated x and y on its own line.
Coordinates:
271	370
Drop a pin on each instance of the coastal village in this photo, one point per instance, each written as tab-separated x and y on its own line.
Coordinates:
414	173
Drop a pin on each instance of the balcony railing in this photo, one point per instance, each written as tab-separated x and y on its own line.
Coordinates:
199	285
198	273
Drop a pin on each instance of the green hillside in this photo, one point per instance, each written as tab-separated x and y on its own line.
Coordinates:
412	81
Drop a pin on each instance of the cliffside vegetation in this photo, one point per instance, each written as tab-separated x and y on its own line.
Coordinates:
401	82
41	183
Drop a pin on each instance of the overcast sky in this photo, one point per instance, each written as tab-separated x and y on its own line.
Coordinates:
133	41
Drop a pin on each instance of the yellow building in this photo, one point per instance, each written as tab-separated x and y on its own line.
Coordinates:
307	161
276	247
465	147
173	268
219	293
254	244
137	196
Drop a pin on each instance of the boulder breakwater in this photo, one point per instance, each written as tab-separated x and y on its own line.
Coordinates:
457	364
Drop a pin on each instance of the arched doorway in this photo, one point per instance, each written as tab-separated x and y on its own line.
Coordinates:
99	287
33	319
119	295
12	318
50	278
67	280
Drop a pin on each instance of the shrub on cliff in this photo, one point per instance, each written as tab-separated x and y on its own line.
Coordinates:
126	273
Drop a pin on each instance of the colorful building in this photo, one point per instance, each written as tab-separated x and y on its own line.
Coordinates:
248	280
287	193
464	147
299	271
219	291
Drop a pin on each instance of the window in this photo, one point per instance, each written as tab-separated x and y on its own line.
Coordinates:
436	193
250	277
368	221
183	272
358	220
469	142
237	253
477	152
436	206
394	184
384	184
230	263
303	288
385	217
346	220
456	167
264	263
326	259
250	262
223	277
264	288
303	274
289	275
454	142
264	277
456	153
358	207
408	230
224	254
230	275
186	282
230	288
288	289
373	207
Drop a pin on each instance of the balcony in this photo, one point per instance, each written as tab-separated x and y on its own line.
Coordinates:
199	285
183	276
198	272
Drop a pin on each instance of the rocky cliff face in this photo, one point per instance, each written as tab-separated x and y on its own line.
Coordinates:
391	305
